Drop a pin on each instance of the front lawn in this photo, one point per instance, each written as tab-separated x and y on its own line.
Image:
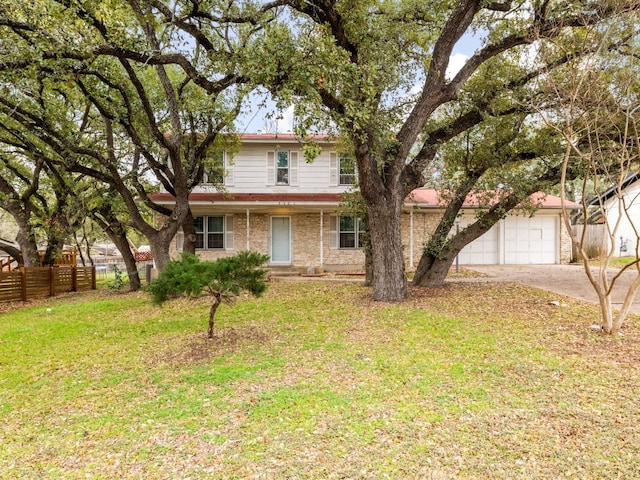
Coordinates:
315	381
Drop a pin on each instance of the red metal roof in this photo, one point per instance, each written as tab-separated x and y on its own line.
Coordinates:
432	198
283	137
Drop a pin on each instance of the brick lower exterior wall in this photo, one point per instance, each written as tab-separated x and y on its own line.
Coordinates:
306	240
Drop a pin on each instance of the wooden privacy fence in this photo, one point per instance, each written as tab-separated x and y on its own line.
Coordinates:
595	243
26	283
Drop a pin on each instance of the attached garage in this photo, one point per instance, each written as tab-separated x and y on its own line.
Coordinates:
515	240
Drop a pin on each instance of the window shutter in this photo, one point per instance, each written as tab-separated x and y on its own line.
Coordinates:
228	169
228	232
333	169
180	240
293	168
271	168
333	232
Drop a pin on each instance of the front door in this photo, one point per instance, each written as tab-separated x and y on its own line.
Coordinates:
281	240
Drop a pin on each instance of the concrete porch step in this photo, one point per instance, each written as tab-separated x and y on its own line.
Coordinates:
288	271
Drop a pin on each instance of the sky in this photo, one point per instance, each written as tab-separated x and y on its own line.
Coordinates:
256	120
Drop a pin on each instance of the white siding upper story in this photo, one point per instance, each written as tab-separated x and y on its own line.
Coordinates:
626	216
266	163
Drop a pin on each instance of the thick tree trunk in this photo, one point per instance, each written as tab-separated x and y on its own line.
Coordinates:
118	235
389	279
160	240
212	312
27	241
189	231
160	251
368	267
431	271
120	240
14	253
365	239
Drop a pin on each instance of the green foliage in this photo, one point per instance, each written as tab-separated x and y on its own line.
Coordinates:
118	280
226	277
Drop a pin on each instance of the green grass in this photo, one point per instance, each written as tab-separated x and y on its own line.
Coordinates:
316	381
615	262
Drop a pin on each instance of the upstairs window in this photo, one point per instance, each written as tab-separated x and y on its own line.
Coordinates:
282	167
214	169
347	170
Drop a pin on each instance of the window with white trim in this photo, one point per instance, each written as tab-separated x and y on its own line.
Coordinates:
347	170
282	167
345	232
349	233
214	232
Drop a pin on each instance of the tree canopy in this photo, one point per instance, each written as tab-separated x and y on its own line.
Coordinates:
377	72
123	91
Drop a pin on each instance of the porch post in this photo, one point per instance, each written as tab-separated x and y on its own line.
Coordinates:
321	239
411	239
248	233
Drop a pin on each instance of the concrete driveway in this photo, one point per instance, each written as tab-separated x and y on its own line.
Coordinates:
568	280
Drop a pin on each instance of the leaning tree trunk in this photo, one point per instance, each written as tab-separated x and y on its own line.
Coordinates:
26	239
14	253
432	271
118	235
119	238
212	312
160	241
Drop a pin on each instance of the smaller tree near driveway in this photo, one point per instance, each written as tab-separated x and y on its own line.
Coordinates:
598	115
224	279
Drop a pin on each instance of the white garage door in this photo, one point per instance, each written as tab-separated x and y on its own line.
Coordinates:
530	240
515	240
483	250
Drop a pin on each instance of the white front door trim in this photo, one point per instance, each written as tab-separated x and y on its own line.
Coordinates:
280	244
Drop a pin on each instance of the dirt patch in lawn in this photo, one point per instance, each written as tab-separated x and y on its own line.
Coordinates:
197	348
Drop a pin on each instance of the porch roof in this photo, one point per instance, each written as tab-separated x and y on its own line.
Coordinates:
420	197
257	202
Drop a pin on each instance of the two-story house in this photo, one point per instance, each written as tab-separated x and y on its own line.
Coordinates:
276	203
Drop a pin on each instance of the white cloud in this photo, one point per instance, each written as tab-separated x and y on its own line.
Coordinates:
456	62
284	121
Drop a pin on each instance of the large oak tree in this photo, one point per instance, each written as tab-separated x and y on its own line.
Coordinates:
146	93
378	70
